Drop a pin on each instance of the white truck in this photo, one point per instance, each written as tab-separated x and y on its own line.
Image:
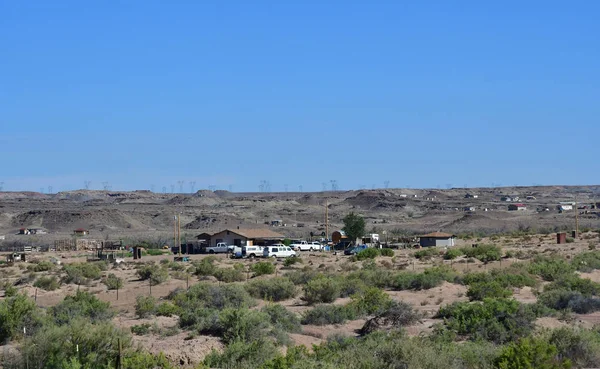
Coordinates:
220	248
305	246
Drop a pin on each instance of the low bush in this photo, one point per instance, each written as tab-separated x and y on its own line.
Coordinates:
205	267
154	273
17	312
327	314
587	261
49	283
372	301
496	320
492	289
561	299
282	318
426	253
167	309
81	305
288	262
321	290
570	239
551	269
483	253
262	268
141	329
243	325
396	315
82	273
240	354
369	253
43	266
113	282
145	306
229	275
453	253
303	276
387	252
430	278
531	352
514	276
273	289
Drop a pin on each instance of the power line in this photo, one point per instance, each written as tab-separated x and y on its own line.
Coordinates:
172	188
192	186
180	183
49	189
324	186
87	184
105	186
386	184
1	186
300	188
164	189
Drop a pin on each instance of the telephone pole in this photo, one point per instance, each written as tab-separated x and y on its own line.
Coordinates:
576	218
326	220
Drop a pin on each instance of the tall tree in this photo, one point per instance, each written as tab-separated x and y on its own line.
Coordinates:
354	226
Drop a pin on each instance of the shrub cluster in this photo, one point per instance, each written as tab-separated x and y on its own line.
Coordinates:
154	273
262	268
206	267
82	273
113	282
48	283
273	289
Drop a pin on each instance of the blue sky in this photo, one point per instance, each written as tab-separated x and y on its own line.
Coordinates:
229	93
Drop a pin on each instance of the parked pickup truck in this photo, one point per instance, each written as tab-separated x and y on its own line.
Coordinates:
305	246
221	248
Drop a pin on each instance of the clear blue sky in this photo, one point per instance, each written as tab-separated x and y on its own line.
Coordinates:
419	93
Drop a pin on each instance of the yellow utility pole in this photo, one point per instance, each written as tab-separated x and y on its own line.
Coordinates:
576	218
327	221
174	230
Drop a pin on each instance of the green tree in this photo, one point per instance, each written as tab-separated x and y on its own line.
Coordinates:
354	226
531	353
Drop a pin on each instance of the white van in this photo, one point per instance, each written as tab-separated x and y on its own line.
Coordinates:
278	251
252	251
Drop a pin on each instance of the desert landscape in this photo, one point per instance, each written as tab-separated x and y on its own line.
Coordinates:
170	310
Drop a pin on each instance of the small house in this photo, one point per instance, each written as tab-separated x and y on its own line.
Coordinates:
437	239
246	237
516	207
81	232
506	199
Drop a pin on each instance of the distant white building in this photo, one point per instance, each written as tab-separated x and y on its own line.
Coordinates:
564	206
2	237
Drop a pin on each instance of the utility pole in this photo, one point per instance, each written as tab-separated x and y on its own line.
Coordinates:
174	230
576	218
326	220
179	233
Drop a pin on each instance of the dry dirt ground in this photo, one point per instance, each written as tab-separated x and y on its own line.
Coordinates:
186	350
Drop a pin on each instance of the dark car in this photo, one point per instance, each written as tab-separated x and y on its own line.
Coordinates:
355	250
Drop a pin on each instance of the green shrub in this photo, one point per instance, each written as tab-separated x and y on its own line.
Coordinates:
145	306
241	354
372	301
243	325
229	275
154	273
426	253
43	266
322	289
154	252
387	252
262	268
430	278
167	309
282	318
570	239
560	299
273	289
481	290
396	315
453	253
82	273
49	283
574	283
141	330
302	276
287	262
327	314
580	346
530	353
113	282
81	305
510	277
551	269
496	320
483	253
205	267
587	261
369	253
17	312
144	360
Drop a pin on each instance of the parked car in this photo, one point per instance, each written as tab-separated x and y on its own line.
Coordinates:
220	248
305	246
252	251
355	250
279	251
